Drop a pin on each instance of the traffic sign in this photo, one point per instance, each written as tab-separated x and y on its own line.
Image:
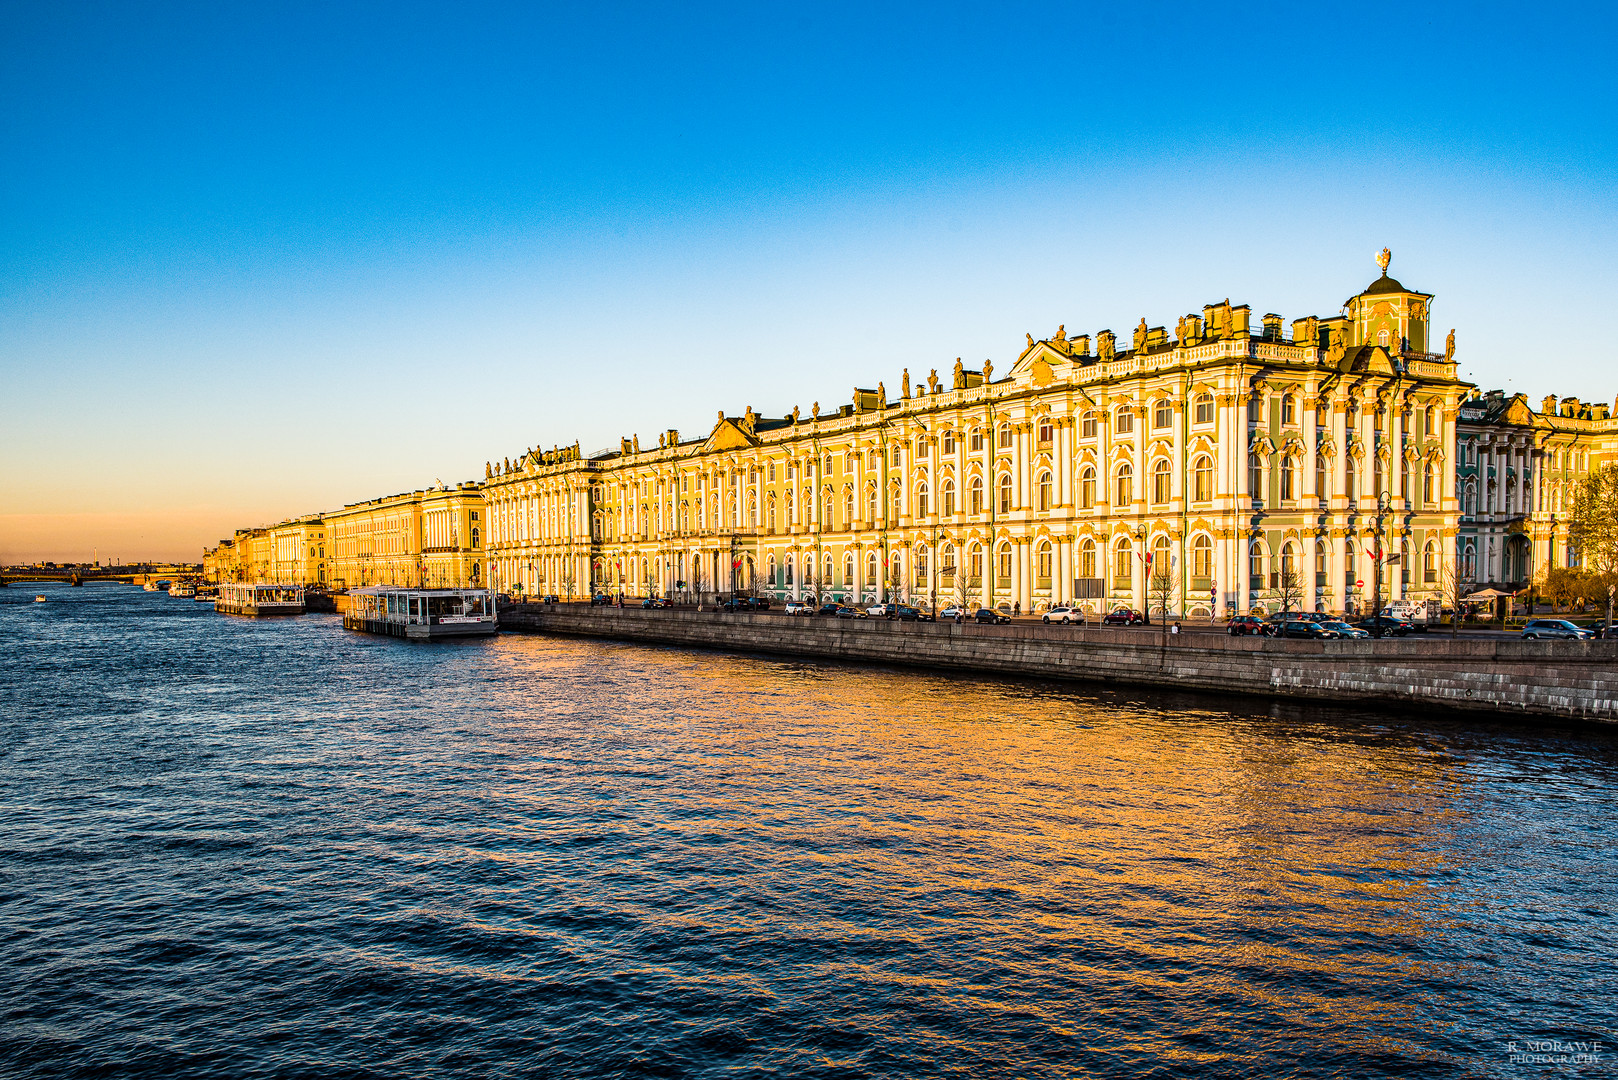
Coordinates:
1360	584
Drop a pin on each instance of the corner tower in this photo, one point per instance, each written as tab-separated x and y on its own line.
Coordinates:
1388	314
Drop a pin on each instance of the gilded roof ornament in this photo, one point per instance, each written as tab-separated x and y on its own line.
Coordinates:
1383	260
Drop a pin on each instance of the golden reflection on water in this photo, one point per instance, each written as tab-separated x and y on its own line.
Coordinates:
1218	858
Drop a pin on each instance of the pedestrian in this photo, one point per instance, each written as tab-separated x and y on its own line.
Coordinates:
1175	629
1016	608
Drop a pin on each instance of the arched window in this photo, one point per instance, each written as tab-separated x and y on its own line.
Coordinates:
1255	567
826	467
1124	421
1287	491
921	500
1042	565
1161	481
1125	485
1161	560
949	498
1429	485
1404	562
1162	413
921	565
921	446
870	504
949	442
848	508
946	561
1042	488
1202	479
977	440
1433	422
770	569
1087	426
1289	560
975	563
1320	564
849	580
1202	556
1320	475
976	504
870	569
830	520
1005	436
826	569
1204	404
1429	564
1123	554
1003	564
1255	476
1289	409
1046	432
1087	558
789	569
1087	489
1005	493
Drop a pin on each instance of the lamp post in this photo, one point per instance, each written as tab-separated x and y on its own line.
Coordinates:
1146	581
1376	560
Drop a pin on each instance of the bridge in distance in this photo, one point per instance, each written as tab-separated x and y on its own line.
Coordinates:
125	574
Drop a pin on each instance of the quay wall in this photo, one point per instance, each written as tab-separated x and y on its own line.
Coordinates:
1572	680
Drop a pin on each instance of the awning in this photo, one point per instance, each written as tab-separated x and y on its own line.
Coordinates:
1487	594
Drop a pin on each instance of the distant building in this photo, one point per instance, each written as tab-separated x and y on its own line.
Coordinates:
432	538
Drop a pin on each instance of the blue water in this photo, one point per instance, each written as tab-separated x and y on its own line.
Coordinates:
273	849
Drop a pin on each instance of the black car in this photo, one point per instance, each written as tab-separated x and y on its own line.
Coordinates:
758	603
829	610
1386	626
906	613
654	602
1300	628
989	615
849	611
600	600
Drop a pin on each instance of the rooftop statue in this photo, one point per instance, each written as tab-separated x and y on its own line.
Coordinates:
1383	260
1449	345
960	374
904	389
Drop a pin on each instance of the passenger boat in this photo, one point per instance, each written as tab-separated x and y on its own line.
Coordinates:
421	613
206	596
152	586
39	599
239	599
181	591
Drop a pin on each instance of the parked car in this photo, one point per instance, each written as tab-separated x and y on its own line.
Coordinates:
798	607
989	615
878	611
1299	628
655	602
849	611
1343	630
1554	628
1063	614
954	611
1245	626
758	603
600	600
906	613
829	610
1123	617
1386	625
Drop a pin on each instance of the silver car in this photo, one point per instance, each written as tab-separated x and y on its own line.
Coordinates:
1554	628
1063	614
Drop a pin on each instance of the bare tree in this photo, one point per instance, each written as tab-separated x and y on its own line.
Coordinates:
1451	587
1289	590
698	578
1160	591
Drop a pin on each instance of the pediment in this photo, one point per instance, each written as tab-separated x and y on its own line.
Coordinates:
728	435
1040	362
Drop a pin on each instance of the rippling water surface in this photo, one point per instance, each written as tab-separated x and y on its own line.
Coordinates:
276	848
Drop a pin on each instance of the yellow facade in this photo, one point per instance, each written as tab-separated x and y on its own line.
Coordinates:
432	538
1221	468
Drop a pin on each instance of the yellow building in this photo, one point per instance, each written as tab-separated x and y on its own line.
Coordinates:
298	552
432	538
1517	471
1221	468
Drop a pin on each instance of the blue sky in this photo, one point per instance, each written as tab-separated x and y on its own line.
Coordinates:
261	261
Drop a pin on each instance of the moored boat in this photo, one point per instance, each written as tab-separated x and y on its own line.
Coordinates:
421	613
40	598
152	586
253	600
181	591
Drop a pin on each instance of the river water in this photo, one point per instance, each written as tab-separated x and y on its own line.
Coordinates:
276	848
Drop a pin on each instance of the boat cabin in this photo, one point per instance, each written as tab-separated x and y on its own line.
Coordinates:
421	613
236	598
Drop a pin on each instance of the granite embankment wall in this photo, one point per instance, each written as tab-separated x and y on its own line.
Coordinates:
1560	679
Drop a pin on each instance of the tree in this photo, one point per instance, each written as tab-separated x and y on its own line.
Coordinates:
698	579
1160	592
1289	590
1593	531
1451	587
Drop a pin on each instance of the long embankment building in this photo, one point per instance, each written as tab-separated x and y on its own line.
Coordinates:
1226	467
1223	467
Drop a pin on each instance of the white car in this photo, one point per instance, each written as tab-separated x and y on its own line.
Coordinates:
877	611
799	607
954	611
1063	614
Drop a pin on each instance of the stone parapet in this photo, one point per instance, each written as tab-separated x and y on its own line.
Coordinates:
1544	679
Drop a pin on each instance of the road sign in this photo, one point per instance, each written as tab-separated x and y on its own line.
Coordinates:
1360	584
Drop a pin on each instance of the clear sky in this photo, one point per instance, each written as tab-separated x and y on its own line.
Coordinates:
261	260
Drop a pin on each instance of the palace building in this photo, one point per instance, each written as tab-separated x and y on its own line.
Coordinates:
1222	467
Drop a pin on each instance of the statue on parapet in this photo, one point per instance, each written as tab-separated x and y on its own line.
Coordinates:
988	370
904	387
1449	345
932	382
960	374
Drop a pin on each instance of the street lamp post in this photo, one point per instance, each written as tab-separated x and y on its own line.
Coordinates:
1376	560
